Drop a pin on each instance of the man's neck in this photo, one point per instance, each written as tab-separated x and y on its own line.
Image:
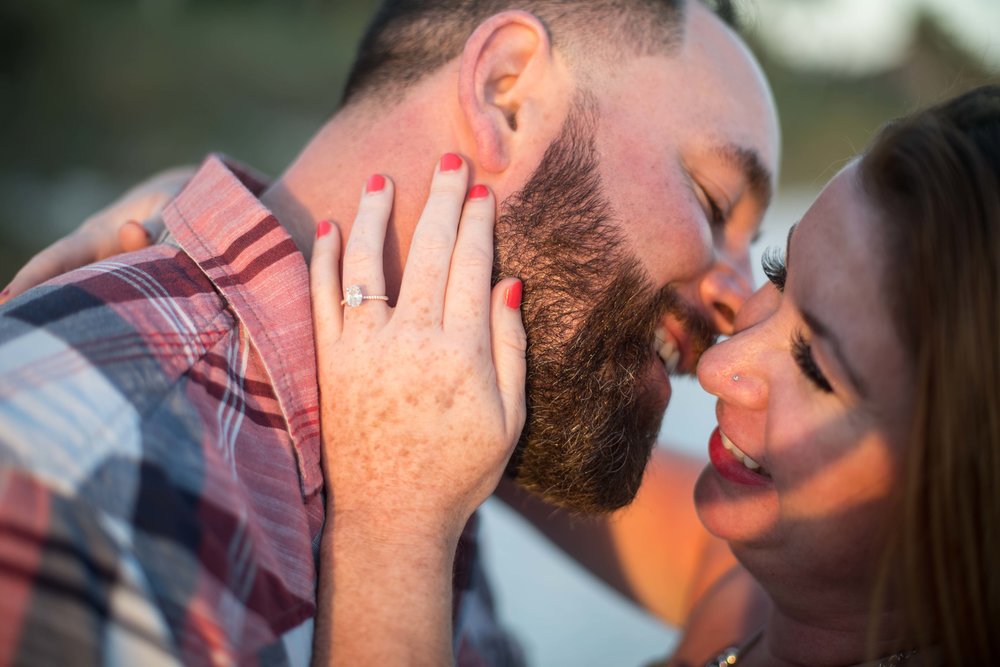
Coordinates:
325	181
294	216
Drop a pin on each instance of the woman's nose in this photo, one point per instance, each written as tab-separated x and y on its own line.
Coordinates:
734	370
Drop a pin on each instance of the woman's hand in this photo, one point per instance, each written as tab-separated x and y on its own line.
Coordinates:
422	405
127	224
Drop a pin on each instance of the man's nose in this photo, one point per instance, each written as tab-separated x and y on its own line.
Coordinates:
757	308
724	289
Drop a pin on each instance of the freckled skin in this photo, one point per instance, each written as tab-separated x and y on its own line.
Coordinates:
454	412
417	425
445	399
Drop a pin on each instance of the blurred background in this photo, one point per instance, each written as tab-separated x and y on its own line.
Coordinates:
96	95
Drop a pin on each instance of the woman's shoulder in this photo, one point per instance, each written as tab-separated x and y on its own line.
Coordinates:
729	614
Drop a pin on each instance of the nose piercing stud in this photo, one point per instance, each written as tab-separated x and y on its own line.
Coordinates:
736	378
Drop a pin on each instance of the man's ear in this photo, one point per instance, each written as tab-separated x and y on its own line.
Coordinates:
504	67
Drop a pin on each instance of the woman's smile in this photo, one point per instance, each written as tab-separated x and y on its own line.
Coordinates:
734	464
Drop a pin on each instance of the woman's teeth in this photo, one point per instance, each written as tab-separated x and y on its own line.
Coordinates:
746	460
667	348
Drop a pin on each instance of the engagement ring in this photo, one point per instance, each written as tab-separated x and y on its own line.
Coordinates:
354	297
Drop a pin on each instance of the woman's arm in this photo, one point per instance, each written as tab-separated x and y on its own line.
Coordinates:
125	225
655	551
421	406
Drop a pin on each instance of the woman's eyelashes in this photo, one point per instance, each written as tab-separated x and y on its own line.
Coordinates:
773	264
775	268
802	352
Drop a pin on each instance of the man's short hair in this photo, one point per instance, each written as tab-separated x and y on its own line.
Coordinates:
409	39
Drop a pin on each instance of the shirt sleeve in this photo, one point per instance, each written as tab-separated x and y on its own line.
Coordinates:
69	593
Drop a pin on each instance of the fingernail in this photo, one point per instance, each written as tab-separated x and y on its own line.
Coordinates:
513	296
450	162
376	183
323	228
141	226
478	192
3	294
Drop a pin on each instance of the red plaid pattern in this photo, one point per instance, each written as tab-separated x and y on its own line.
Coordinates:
161	499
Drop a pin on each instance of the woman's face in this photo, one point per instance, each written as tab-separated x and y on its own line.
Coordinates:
815	389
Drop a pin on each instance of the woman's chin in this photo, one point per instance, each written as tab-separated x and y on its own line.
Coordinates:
733	512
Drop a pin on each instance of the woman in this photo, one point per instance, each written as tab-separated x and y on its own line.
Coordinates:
855	473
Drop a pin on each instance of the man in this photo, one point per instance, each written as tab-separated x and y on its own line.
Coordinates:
161	494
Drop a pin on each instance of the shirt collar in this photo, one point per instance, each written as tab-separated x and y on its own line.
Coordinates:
239	244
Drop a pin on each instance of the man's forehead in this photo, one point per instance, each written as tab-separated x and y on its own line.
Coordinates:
731	98
716	75
706	102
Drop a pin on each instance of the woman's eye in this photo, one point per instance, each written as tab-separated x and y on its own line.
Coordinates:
802	352
773	264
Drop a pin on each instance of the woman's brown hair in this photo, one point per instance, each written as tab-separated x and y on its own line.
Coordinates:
935	179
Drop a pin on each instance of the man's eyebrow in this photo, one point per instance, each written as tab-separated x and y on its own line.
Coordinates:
750	165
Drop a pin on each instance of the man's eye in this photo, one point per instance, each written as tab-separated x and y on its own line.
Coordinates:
716	216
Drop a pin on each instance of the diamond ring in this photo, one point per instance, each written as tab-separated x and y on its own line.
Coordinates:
354	297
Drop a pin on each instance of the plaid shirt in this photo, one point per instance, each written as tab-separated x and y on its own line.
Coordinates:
161	498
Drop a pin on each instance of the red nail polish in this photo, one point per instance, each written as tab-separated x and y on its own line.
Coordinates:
376	182
3	294
323	228
450	162
478	192
513	296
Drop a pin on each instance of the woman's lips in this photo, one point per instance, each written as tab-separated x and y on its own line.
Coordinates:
730	467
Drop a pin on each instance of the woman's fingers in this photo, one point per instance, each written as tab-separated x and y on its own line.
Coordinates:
68	253
92	242
467	301
422	292
364	275
509	345
103	234
324	287
133	235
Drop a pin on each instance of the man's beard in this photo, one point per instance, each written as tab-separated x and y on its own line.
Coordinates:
589	312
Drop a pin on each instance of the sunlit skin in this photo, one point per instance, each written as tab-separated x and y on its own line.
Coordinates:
688	150
663	135
668	129
809	534
688	147
663	122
